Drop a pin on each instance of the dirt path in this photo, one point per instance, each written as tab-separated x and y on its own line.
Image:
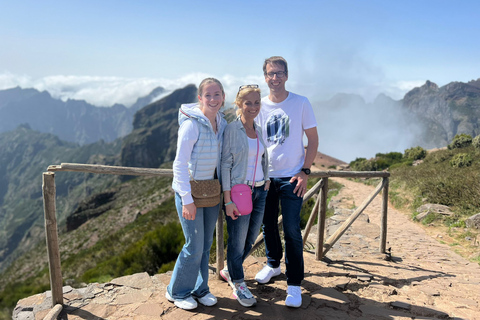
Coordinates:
426	273
423	280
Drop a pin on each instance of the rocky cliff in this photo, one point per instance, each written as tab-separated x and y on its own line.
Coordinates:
153	139
445	111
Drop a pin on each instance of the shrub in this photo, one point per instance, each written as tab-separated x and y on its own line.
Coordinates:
460	141
381	161
391	156
476	142
362	164
415	153
461	160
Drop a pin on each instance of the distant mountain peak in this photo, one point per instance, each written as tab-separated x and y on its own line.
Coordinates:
430	86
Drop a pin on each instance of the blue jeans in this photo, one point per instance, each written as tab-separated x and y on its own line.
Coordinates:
242	234
281	192
190	275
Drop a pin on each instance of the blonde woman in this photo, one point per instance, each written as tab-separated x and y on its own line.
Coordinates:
243	146
199	148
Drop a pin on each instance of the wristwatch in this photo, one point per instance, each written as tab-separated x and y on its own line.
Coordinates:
306	171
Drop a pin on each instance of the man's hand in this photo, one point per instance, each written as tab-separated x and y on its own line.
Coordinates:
189	211
301	187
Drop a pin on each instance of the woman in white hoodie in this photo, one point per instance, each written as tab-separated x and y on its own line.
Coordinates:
199	147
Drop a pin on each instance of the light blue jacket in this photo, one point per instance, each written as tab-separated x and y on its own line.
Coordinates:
235	155
203	154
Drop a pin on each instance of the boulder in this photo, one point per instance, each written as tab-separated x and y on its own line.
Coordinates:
473	221
434	208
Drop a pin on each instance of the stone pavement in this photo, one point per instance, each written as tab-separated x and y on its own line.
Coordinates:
419	279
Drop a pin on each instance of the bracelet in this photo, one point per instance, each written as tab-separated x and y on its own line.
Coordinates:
228	203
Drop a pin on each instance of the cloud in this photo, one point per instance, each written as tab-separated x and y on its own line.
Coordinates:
106	91
349	128
346	133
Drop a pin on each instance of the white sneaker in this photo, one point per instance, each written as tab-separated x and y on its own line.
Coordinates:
267	273
294	296
208	300
185	304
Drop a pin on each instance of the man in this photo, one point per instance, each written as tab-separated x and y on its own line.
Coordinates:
284	118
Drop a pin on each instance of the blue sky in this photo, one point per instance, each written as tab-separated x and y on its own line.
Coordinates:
113	51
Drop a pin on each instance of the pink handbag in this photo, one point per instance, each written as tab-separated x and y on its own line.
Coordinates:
242	197
241	193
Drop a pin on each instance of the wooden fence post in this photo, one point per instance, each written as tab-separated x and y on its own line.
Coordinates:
51	233
322	215
383	225
220	241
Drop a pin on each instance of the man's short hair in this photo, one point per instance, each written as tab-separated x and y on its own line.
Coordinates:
275	60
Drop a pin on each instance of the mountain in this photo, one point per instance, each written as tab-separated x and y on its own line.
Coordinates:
428	116
153	139
25	154
71	120
445	111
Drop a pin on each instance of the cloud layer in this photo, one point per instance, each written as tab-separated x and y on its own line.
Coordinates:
346	133
106	91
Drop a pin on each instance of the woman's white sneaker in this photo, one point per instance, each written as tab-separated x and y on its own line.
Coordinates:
294	297
208	300
267	273
186	304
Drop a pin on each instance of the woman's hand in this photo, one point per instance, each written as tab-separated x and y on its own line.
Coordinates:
189	211
267	185
232	211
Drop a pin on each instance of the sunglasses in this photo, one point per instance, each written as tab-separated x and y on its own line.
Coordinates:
253	86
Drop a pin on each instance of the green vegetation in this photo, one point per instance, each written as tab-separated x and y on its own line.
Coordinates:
449	177
460	141
476	142
436	181
461	160
390	160
154	252
128	250
415	153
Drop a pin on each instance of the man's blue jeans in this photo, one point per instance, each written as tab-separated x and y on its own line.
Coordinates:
242	234
190	275
281	192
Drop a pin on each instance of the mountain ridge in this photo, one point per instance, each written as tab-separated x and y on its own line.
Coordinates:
71	120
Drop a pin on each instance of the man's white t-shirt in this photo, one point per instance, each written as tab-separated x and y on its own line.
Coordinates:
283	125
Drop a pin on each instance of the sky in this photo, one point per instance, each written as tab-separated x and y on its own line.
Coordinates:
108	52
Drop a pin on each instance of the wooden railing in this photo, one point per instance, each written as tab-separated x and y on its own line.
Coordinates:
319	211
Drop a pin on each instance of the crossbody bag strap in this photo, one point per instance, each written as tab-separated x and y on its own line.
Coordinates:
256	160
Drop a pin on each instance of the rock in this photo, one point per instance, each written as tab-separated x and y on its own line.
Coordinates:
434	208
421	216
417	162
401	305
473	221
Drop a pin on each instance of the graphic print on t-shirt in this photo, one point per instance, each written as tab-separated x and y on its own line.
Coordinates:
278	127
